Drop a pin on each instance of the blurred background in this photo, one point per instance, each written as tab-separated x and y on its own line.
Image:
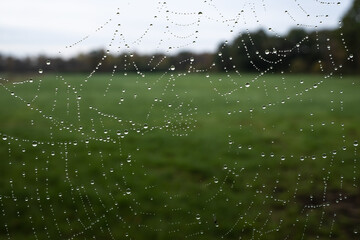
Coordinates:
76	44
168	120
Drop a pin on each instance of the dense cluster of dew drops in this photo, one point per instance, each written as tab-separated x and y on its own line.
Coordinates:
179	119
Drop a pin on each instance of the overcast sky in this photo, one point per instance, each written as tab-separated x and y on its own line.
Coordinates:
49	27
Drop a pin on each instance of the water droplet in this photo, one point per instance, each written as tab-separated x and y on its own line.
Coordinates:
247	84
48	62
172	68
34	144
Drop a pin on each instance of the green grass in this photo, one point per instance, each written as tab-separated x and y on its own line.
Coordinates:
201	155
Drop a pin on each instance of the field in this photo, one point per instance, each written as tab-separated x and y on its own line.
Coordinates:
179	156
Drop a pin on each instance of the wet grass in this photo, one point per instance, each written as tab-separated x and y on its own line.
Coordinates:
269	161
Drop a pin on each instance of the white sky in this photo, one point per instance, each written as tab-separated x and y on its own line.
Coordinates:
47	27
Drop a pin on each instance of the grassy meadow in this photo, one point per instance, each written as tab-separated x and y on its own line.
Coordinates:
173	156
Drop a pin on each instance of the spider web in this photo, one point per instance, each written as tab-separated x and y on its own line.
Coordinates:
134	154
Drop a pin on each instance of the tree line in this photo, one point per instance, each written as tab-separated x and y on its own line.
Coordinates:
298	51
